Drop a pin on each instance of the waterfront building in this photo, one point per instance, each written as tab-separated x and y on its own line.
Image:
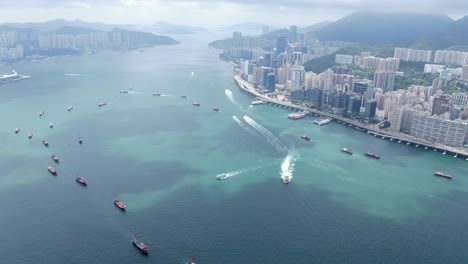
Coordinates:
237	39
436	130
297	77
297	95
270	82
360	87
314	96
365	54
440	105
370	109
354	105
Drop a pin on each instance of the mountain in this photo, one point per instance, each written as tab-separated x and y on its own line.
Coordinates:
140	39
251	27
163	27
456	34
382	27
272	35
314	27
56	24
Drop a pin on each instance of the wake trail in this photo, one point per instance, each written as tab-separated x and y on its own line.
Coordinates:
227	175
231	98
274	141
242	125
75	74
287	166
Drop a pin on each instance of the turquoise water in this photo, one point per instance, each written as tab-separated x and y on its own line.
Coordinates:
160	155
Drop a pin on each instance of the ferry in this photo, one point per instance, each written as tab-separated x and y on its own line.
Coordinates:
55	158
347	150
80	140
322	121
17	130
156	94
41	113
286	179
51	125
138	244
443	175
298	115
372	155
52	170
8	75
45	142
119	204
81	181
196	104
191	260
305	137
102	104
257	102
30	135
216	109
70	108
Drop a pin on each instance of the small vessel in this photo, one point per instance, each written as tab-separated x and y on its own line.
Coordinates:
443	175
298	115
183	96
80	140
70	108
102	104
347	150
196	103
30	134
359	129
81	181
41	113
191	260
156	94
17	130
123	91
322	121
55	158
372	155
119	204
216	109
305	137
286	179
221	176
52	170
138	244
45	142
51	125
257	102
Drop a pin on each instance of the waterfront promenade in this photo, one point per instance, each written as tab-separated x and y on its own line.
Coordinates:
372	130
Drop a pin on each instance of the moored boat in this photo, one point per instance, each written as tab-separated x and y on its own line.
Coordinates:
443	175
81	181
298	115
305	137
30	135
17	130
257	102
372	155
55	158
119	204
196	104
347	150
45	142
322	121
140	245
52	170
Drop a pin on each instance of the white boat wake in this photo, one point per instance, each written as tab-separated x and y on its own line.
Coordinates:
230	96
227	175
75	74
134	92
274	141
287	167
242	125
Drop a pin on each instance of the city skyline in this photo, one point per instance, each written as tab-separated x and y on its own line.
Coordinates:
213	13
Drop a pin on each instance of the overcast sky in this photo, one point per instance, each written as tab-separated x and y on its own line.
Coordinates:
214	13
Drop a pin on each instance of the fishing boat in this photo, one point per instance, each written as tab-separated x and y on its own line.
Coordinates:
55	158
138	244
17	130
119	204
52	170
81	181
45	142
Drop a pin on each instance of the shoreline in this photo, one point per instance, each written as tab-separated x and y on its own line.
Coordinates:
391	135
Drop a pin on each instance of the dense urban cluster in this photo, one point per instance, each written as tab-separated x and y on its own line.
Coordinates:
425	112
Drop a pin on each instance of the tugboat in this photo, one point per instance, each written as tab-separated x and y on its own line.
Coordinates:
216	109
81	181
45	142
30	134
55	158
305	137
191	260
51	125
183	96
347	150
52	170
119	204
80	140
138	244
102	104
156	94
41	113
372	155
443	175
196	104
17	130
70	108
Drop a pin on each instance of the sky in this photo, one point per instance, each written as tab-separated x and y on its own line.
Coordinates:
215	13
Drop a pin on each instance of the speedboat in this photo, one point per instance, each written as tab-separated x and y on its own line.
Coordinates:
119	204
45	142
70	108
156	94
80	140
221	176
55	158
17	130
191	260
216	109
52	170
41	113
443	175
30	135
138	244
102	104
81	181
196	104
347	150
372	155
305	137
286	179
51	125
123	91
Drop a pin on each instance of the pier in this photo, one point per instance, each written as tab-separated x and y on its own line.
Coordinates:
372	130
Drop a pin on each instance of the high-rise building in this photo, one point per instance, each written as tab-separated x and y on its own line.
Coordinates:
344	59
314	96
237	39
371	106
354	105
433	68
413	55
451	57
270	82
361	86
281	45
384	80
464	73
297	78
436	130
297	95
440	105
460	99
365	54
292	34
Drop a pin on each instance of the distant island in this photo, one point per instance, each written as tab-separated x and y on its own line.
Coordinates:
19	43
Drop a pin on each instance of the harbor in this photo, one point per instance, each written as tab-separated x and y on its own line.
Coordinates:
371	130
